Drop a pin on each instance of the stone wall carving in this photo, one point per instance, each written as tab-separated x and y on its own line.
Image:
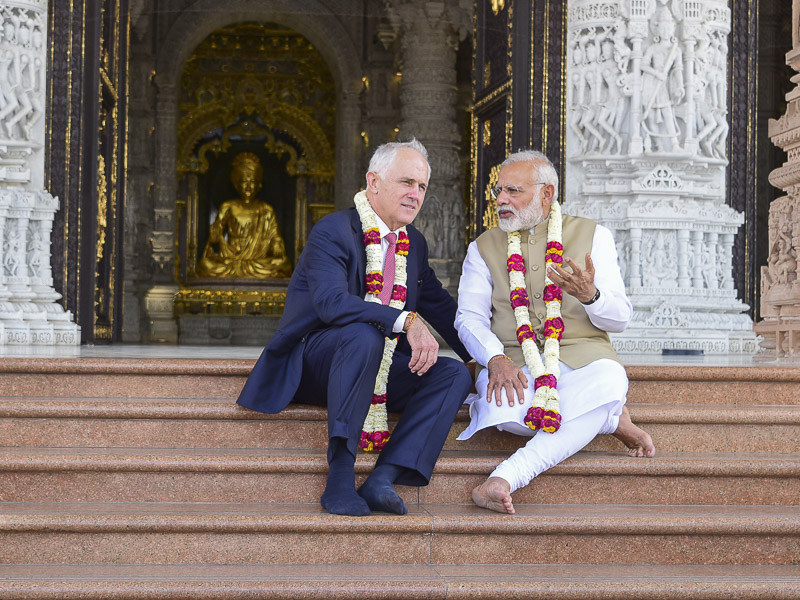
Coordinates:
780	278
646	145
29	313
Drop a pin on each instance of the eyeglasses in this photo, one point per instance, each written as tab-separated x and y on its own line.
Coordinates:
512	190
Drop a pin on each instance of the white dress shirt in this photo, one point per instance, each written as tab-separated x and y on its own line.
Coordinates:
384	230
612	312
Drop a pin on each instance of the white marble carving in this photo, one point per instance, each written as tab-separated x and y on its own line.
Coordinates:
780	279
29	312
646	149
22	90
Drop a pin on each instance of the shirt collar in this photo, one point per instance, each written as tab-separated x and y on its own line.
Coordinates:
383	228
541	226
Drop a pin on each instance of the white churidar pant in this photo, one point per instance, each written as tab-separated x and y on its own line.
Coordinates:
592	399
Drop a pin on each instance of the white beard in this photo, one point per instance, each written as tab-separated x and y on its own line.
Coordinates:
525	218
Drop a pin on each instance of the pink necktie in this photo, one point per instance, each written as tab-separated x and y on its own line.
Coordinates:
388	270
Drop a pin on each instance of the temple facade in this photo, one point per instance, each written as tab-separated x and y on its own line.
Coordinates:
161	167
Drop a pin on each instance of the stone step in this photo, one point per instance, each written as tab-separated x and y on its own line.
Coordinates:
204	422
122	378
254	475
178	533
759	384
398	581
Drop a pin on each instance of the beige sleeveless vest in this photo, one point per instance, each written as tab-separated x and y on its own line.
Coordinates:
582	342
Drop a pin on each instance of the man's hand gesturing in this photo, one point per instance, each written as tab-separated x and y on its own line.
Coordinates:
503	373
579	283
424	347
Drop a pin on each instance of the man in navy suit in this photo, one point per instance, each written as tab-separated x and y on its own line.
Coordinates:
330	341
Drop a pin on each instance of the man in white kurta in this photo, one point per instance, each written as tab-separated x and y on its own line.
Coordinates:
592	384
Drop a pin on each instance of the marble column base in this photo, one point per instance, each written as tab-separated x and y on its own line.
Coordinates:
781	336
162	327
65	332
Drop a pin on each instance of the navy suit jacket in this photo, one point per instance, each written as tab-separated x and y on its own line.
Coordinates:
327	289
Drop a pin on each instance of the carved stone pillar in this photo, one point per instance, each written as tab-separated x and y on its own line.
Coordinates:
430	32
349	177
161	323
646	145
29	313
780	279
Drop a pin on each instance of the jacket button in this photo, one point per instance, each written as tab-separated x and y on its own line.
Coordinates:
537	295
535	267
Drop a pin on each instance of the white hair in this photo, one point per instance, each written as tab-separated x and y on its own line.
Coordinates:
545	171
385	154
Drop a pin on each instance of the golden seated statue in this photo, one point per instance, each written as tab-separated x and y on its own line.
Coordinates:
245	232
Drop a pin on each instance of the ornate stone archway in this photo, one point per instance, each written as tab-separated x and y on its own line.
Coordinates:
312	19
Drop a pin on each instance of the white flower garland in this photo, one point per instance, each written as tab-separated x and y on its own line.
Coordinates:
375	432
545	413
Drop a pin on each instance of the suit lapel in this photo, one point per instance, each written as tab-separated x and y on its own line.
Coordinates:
360	252
413	274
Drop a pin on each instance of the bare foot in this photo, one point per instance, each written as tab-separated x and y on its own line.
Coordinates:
494	494
637	440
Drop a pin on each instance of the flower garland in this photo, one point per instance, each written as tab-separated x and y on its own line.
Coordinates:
544	414
375	432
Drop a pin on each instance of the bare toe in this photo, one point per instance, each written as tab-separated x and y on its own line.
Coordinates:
493	494
636	439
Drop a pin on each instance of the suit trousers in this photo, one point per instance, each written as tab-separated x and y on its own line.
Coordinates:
339	369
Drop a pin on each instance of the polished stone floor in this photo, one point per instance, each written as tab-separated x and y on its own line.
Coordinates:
166	351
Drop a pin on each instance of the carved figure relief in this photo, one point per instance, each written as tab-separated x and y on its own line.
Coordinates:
22	72
11	249
782	262
659	265
38	256
662	85
670	116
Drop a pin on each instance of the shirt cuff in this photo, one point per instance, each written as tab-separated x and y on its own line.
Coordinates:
400	322
598	306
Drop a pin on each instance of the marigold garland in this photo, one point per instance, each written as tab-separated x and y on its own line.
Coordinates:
375	432
545	413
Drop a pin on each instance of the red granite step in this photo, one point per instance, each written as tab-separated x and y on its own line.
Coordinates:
276	476
179	533
389	581
122	378
192	378
204	422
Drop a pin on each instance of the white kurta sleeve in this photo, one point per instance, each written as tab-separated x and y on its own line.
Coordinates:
613	310
473	318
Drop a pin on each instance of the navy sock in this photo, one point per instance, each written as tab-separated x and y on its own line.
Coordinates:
340	497
379	493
